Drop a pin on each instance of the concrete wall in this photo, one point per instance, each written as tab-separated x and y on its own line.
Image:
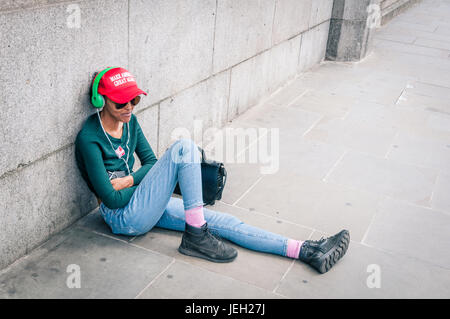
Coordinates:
350	34
199	59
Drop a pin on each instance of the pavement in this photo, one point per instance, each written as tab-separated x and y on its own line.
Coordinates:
363	146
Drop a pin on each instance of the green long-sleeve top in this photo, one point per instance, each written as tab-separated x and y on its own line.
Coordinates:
95	156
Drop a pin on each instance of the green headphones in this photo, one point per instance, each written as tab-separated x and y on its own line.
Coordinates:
97	100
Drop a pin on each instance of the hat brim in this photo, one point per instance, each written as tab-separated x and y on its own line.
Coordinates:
125	95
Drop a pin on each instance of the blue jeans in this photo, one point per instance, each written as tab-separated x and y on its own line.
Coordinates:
152	204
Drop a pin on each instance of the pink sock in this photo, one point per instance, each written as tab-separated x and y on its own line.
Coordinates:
194	216
293	248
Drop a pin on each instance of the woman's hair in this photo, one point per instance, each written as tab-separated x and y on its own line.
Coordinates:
92	81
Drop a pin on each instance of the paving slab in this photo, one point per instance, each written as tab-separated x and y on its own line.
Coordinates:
249	265
270	153
357	82
308	158
397	180
427	89
185	281
419	34
442	29
419	67
398	118
358	135
240	177
289	93
397	37
432	43
271	223
232	147
299	194
108	268
400	277
316	77
409	48
95	223
439	122
343	208
375	86
312	203
424	102
440	199
424	152
427	124
329	105
287	120
411	230
431	26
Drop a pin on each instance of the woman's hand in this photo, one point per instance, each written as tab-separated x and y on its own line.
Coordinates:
122	182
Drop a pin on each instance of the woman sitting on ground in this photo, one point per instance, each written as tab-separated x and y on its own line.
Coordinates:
133	202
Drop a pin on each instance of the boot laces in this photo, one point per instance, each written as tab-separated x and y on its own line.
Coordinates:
211	235
320	241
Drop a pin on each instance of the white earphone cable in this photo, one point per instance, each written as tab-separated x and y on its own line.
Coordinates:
128	139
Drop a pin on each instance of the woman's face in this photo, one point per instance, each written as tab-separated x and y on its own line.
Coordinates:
123	114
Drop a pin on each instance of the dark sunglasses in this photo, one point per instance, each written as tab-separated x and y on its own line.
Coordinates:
133	102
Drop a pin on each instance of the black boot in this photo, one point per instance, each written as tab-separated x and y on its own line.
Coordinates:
199	242
324	253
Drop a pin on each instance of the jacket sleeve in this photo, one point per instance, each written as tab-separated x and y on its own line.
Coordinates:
145	155
96	171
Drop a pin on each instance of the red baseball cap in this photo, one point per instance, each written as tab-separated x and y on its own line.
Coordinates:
119	85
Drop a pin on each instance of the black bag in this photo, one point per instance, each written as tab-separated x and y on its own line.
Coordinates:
214	177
